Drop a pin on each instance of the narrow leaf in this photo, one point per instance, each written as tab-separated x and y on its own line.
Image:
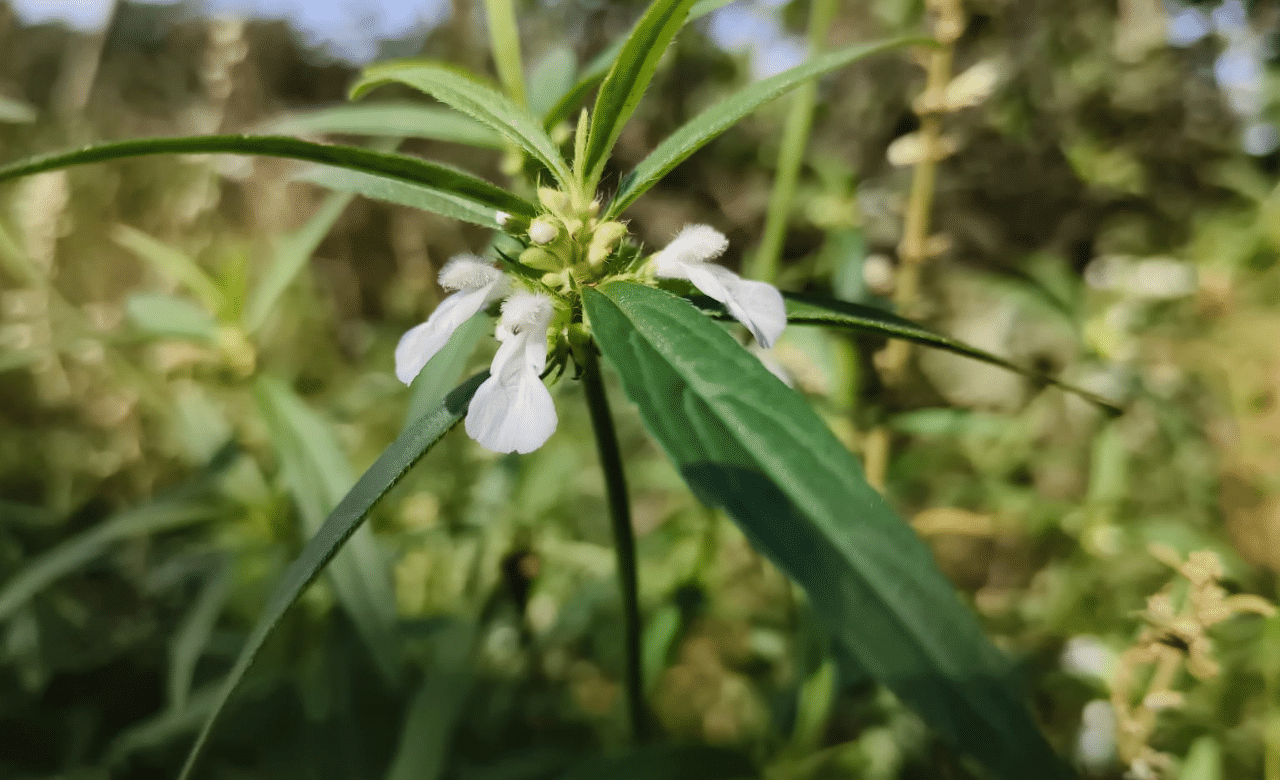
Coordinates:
49	567
293	253
351	511
810	310
392	120
475	99
172	263
402	193
745	442
192	636
165	315
395	166
318	474
628	78
713	121
571	98
504	43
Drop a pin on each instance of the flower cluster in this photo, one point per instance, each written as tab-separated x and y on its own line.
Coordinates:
512	410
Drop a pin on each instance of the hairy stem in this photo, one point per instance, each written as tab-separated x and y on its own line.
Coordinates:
624	539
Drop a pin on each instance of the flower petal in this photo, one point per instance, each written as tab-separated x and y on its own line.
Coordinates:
693	244
420	343
758	305
512	410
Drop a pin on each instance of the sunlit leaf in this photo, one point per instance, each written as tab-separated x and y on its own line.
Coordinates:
402	193
172	263
568	101
629	77
392	120
475	99
713	121
745	442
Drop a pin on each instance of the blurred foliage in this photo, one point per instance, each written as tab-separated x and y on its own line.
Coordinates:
164	454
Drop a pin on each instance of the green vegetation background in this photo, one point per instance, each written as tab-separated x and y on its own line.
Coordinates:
158	469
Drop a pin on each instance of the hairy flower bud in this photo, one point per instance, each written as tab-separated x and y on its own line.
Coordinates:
542	232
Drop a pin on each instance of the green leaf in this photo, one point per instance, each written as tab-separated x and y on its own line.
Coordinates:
51	566
403	193
622	89
713	121
666	762
809	310
165	315
318	474
745	442
550	79
504	43
475	99
292	254
192	636
172	263
351	511
392	120
394	166
572	97
435	709
16	112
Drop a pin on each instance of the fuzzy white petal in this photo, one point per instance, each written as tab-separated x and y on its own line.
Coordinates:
694	244
468	272
420	343
758	305
512	410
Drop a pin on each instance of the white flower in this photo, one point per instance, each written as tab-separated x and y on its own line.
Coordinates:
477	284
512	410
757	305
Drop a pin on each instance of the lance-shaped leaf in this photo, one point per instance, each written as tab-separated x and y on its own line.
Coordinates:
713	121
811	310
394	166
744	441
629	77
475	99
351	511
392	120
595	71
402	193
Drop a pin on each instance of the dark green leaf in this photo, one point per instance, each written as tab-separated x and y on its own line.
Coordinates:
479	101
667	762
395	120
351	511
394	166
628	78
697	132
809	310
745	442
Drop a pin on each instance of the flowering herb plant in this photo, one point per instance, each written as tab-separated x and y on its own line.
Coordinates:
570	285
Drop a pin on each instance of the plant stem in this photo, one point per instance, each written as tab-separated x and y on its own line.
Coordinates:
624	539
